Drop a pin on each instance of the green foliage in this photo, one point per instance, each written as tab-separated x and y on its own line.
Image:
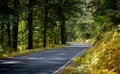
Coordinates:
1	49
108	9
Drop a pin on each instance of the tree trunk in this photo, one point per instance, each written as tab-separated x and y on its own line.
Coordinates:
15	26
9	34
30	25
2	34
63	32
15	36
45	23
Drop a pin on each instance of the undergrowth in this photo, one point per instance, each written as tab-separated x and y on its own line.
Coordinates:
103	58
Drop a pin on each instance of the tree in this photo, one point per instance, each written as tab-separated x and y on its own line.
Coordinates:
5	12
30	25
45	22
65	9
16	4
3	9
63	32
9	34
107	9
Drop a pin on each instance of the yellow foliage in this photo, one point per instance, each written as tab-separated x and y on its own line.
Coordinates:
4	56
103	71
67	70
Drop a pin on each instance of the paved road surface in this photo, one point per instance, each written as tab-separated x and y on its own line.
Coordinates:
44	62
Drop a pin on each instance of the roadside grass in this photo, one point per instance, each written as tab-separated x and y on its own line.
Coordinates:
62	45
103	58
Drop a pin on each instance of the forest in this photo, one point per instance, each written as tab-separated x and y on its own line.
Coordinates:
28	25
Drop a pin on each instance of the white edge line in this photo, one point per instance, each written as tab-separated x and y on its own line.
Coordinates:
55	72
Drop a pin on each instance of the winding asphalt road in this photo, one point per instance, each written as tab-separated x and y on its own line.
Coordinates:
43	62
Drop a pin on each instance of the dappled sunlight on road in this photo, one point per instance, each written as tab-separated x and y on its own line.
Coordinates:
73	44
11	62
35	58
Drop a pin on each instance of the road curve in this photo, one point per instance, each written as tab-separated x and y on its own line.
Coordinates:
43	62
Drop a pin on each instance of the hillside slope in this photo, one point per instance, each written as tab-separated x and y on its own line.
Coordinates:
102	58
